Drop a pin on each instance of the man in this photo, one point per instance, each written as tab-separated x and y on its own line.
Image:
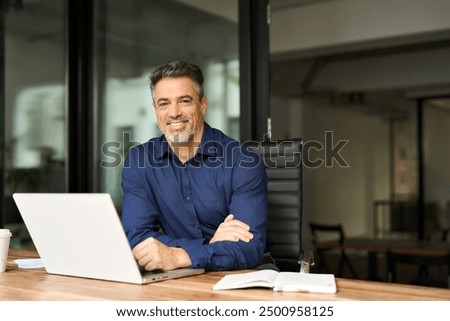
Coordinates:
193	197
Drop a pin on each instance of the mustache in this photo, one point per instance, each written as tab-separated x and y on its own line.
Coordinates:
169	120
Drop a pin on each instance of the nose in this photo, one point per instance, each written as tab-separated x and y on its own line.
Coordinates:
174	110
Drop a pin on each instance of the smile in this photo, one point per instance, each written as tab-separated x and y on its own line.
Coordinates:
177	125
177	122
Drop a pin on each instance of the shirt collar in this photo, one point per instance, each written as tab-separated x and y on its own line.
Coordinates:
207	145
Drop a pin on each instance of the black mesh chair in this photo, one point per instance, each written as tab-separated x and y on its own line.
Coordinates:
328	238
283	161
423	264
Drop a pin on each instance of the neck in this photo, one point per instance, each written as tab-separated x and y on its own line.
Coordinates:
183	151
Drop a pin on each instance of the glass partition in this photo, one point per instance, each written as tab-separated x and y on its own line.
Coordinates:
436	171
35	112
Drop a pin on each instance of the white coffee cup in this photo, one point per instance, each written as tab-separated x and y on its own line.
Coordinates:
5	237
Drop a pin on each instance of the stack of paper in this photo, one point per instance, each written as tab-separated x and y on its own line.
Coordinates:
29	263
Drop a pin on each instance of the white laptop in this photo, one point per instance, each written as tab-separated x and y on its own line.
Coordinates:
81	235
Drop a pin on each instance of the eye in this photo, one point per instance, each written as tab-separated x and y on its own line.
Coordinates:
162	104
186	101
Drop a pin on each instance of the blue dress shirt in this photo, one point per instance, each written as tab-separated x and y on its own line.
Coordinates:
182	205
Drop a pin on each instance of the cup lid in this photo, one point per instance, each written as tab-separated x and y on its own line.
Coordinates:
5	232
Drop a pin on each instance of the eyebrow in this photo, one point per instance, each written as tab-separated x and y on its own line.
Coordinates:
185	96
162	99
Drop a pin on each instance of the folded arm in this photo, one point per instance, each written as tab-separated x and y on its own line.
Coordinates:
152	254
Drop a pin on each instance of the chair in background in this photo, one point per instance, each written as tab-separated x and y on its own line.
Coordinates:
283	162
395	260
328	238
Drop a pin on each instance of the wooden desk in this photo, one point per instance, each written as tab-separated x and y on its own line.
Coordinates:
33	285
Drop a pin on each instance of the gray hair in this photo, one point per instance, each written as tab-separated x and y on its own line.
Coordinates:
178	69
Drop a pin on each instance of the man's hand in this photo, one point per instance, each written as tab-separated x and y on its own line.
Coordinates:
154	255
232	230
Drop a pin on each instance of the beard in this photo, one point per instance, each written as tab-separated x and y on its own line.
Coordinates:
179	136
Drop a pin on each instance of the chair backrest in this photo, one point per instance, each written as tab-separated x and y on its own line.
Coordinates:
324	234
423	262
283	161
331	237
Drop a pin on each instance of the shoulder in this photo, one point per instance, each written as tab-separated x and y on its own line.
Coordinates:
243	155
140	148
144	152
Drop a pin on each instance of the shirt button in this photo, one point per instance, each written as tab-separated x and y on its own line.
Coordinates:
188	198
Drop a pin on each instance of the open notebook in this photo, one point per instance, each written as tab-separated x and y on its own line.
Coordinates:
81	235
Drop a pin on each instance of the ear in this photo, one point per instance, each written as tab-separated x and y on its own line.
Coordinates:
203	105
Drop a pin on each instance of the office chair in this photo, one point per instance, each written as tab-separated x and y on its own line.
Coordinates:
283	163
328	238
423	262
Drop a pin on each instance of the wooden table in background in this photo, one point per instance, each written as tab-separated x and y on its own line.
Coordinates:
376	246
34	285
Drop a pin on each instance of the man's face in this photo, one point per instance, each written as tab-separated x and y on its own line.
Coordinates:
179	110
